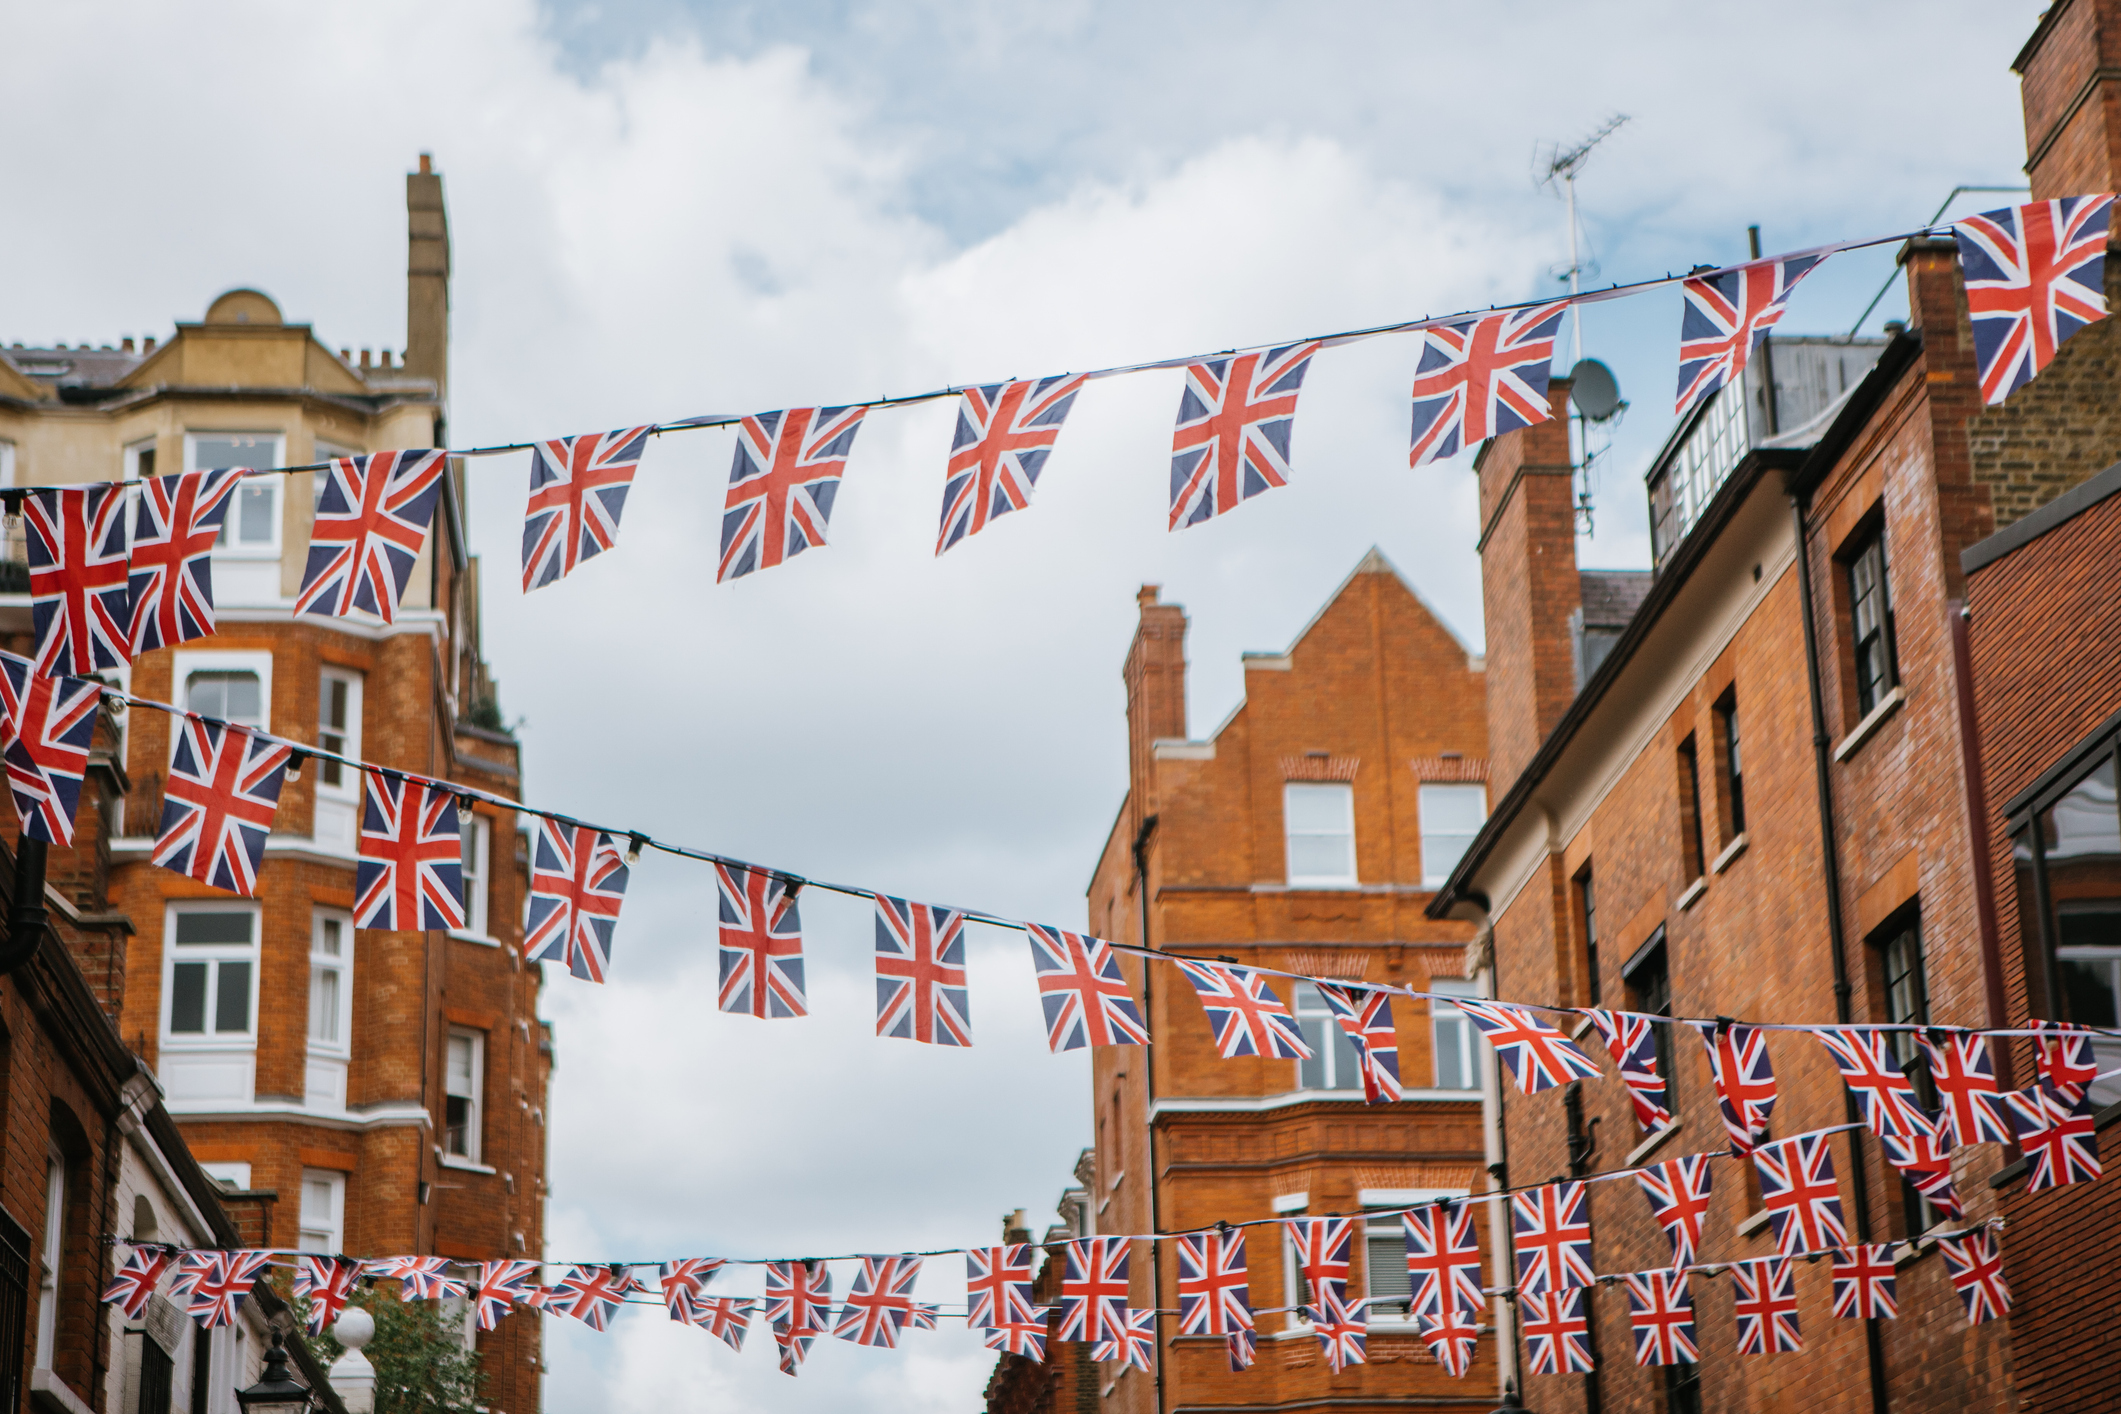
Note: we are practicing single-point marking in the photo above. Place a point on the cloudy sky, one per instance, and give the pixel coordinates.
(672, 207)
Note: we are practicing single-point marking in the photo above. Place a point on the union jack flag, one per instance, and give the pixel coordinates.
(48, 725)
(1764, 1296)
(1242, 1346)
(1443, 1258)
(880, 1302)
(781, 485)
(1094, 1289)
(1479, 378)
(726, 1317)
(1557, 1333)
(1322, 1253)
(420, 1278)
(1745, 1082)
(925, 1316)
(1802, 1199)
(1728, 313)
(794, 1347)
(1552, 1229)
(411, 870)
(1232, 440)
(327, 1283)
(170, 573)
(135, 1281)
(1679, 1198)
(1633, 1046)
(1133, 1340)
(372, 521)
(1661, 1314)
(218, 804)
(684, 1285)
(798, 1295)
(1084, 996)
(1883, 1090)
(577, 494)
(2035, 274)
(1366, 1017)
(1005, 432)
(1451, 1335)
(762, 944)
(77, 558)
(1249, 1020)
(1963, 1070)
(1214, 1289)
(1865, 1286)
(2064, 1052)
(577, 882)
(214, 1286)
(1342, 1327)
(2059, 1133)
(592, 1295)
(1024, 1333)
(920, 973)
(1925, 1161)
(1976, 1270)
(501, 1285)
(997, 1284)
(1539, 1057)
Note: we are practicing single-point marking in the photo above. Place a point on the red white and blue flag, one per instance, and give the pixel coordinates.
(1976, 1270)
(410, 875)
(1242, 1348)
(218, 804)
(2067, 1063)
(1633, 1047)
(1802, 1199)
(134, 1282)
(1764, 1298)
(684, 1284)
(373, 515)
(327, 1283)
(1249, 1020)
(1557, 1332)
(1132, 1341)
(1323, 1250)
(1865, 1282)
(1728, 314)
(880, 1302)
(2035, 274)
(794, 1347)
(925, 1316)
(1234, 421)
(1884, 1093)
(503, 1284)
(419, 1278)
(1539, 1057)
(1005, 433)
(1342, 1327)
(1451, 1334)
(1479, 378)
(1551, 1227)
(1963, 1071)
(170, 573)
(2058, 1132)
(1366, 1017)
(920, 973)
(79, 604)
(1443, 1258)
(1094, 1289)
(47, 725)
(1085, 998)
(1678, 1190)
(1925, 1161)
(798, 1295)
(578, 491)
(726, 1318)
(1745, 1082)
(1661, 1314)
(577, 882)
(761, 944)
(1025, 1333)
(782, 484)
(212, 1285)
(1214, 1289)
(590, 1294)
(997, 1284)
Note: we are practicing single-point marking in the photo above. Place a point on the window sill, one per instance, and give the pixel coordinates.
(1294, 885)
(1731, 852)
(1649, 1145)
(1866, 728)
(1693, 893)
(458, 1161)
(480, 938)
(50, 1393)
(1746, 1227)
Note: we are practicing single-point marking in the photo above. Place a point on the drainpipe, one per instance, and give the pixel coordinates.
(1977, 836)
(1156, 1224)
(1836, 934)
(25, 920)
(1583, 1145)
(1502, 1253)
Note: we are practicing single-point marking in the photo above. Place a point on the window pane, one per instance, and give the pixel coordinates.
(199, 928)
(1319, 808)
(459, 1071)
(330, 936)
(1385, 1267)
(316, 1202)
(232, 998)
(254, 506)
(457, 1125)
(232, 696)
(1453, 809)
(1311, 1071)
(1321, 857)
(324, 1004)
(1346, 1074)
(2089, 985)
(231, 449)
(187, 997)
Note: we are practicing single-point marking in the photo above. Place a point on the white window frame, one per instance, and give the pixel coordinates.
(1468, 1053)
(321, 961)
(133, 449)
(1373, 1202)
(48, 1259)
(1435, 871)
(209, 1039)
(478, 885)
(474, 1129)
(349, 786)
(1292, 1205)
(236, 550)
(7, 462)
(1289, 791)
(333, 1228)
(185, 662)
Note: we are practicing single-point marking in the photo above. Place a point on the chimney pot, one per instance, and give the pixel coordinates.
(126, 343)
(427, 164)
(346, 355)
(365, 355)
(147, 345)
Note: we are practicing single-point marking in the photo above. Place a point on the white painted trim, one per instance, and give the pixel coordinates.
(1649, 1145)
(377, 1117)
(458, 1161)
(1252, 1104)
(1730, 853)
(1267, 662)
(1888, 705)
(1172, 748)
(48, 1391)
(1291, 1202)
(1693, 893)
(187, 661)
(1406, 1197)
(1746, 1227)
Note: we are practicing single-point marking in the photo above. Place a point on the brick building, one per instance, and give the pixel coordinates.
(371, 1094)
(1769, 802)
(1306, 833)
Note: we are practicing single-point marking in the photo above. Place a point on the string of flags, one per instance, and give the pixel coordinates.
(1550, 1235)
(106, 585)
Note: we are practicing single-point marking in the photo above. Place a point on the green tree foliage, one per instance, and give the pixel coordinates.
(421, 1364)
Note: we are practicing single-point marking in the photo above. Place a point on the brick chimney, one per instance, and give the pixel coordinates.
(2070, 86)
(1156, 692)
(427, 277)
(1529, 588)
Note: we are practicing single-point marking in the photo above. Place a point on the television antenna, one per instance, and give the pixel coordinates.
(1561, 165)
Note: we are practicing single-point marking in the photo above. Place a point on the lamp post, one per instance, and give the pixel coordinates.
(275, 1392)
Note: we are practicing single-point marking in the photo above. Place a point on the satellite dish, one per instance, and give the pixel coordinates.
(1595, 392)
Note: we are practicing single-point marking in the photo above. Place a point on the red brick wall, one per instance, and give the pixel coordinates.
(2072, 109)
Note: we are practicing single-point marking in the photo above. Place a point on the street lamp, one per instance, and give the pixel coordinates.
(275, 1392)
